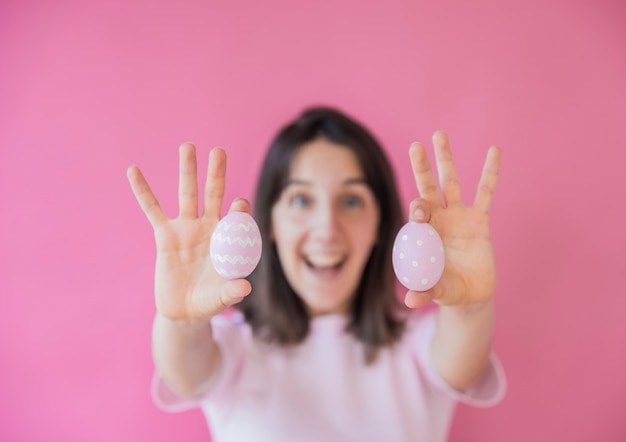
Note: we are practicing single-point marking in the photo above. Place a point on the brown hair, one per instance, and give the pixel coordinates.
(275, 313)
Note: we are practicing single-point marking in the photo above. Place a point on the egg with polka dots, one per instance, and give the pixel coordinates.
(418, 257)
(236, 245)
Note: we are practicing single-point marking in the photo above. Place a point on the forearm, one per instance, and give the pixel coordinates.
(185, 354)
(461, 346)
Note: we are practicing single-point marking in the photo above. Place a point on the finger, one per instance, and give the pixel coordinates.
(146, 199)
(488, 179)
(449, 291)
(424, 177)
(419, 211)
(234, 291)
(239, 205)
(215, 183)
(414, 299)
(448, 179)
(230, 293)
(188, 181)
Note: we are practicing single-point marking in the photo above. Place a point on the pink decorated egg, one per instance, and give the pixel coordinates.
(418, 257)
(236, 245)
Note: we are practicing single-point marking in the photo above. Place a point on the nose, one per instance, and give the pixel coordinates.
(325, 222)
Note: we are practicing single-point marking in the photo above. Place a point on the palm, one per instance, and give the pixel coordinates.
(469, 274)
(182, 267)
(186, 285)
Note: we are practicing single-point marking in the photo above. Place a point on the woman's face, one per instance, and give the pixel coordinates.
(325, 224)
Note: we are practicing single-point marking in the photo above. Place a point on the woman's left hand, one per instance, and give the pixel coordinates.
(469, 275)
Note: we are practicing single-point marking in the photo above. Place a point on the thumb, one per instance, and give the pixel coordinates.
(227, 294)
(414, 299)
(234, 291)
(419, 211)
(240, 205)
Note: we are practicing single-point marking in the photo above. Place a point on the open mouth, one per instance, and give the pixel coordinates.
(325, 265)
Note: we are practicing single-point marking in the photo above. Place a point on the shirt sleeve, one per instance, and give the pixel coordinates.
(488, 391)
(227, 332)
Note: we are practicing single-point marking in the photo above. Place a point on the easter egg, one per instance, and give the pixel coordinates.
(418, 257)
(236, 245)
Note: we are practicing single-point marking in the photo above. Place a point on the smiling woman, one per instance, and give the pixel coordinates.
(322, 349)
(325, 197)
(324, 226)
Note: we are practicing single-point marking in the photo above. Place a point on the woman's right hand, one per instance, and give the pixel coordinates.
(187, 288)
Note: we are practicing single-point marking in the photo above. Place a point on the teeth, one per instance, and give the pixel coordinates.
(321, 260)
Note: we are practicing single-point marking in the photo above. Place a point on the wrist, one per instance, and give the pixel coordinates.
(469, 309)
(186, 324)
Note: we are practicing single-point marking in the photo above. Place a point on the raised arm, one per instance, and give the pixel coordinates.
(462, 343)
(188, 291)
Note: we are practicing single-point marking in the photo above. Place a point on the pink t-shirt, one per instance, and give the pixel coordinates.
(322, 391)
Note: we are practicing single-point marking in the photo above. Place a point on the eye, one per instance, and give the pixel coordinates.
(353, 201)
(300, 201)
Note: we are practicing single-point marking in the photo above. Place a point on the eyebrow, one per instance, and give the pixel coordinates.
(348, 182)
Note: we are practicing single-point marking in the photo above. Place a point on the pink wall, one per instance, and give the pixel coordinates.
(88, 88)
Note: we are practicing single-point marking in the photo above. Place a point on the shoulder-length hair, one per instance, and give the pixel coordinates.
(275, 313)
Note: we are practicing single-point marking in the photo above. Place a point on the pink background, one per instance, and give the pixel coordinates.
(88, 88)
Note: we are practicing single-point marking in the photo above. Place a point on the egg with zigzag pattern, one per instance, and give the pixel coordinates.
(236, 245)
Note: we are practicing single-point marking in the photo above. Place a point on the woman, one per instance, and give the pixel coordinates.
(322, 350)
